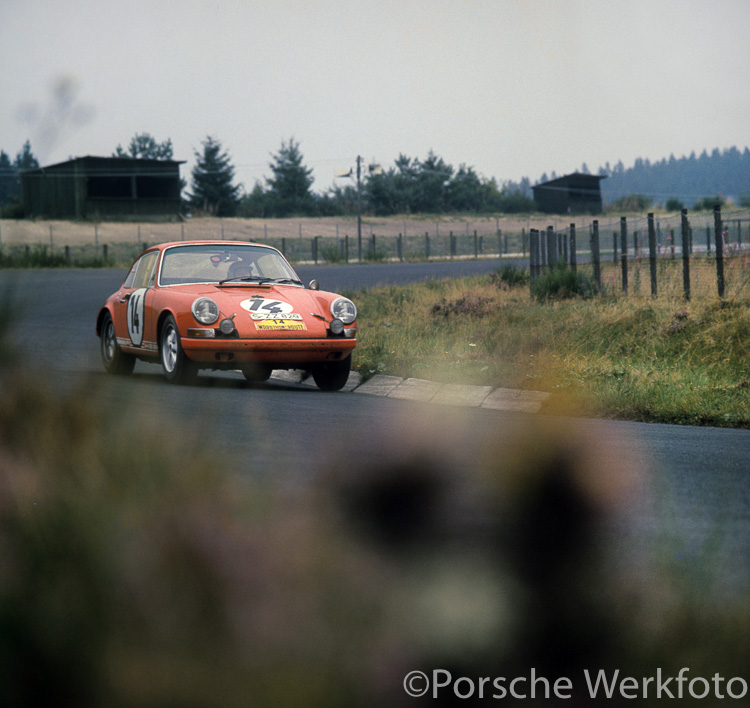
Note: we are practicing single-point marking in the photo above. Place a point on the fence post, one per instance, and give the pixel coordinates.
(67, 253)
(452, 245)
(652, 253)
(499, 243)
(283, 246)
(346, 248)
(476, 245)
(105, 252)
(427, 245)
(400, 247)
(595, 255)
(719, 250)
(685, 254)
(573, 257)
(315, 249)
(551, 247)
(533, 255)
(624, 252)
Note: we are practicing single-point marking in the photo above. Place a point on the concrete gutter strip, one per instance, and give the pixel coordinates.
(424, 391)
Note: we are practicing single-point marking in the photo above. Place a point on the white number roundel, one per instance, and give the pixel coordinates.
(135, 312)
(264, 306)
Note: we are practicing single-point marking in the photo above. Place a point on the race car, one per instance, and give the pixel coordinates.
(225, 305)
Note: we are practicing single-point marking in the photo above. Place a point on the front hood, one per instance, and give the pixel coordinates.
(275, 311)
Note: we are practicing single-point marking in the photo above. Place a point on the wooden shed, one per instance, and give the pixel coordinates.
(103, 188)
(575, 193)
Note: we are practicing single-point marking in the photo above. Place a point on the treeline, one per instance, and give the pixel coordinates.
(10, 181)
(411, 186)
(685, 180)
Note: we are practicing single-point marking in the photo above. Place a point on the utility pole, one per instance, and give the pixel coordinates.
(359, 208)
(373, 169)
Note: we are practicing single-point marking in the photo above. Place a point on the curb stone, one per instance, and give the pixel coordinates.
(424, 391)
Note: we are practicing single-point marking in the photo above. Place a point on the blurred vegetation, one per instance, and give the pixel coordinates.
(661, 360)
(139, 566)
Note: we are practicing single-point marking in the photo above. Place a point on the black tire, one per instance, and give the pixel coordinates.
(176, 366)
(114, 359)
(332, 375)
(257, 373)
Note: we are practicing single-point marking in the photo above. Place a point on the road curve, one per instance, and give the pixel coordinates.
(697, 475)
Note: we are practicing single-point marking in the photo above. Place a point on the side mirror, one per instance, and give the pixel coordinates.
(314, 285)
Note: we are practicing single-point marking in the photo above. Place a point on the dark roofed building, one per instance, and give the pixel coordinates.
(575, 193)
(103, 188)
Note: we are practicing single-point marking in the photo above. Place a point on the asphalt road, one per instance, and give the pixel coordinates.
(693, 486)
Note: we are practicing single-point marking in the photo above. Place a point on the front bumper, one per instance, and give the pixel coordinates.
(267, 351)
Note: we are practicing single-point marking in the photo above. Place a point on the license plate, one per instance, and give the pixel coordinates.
(266, 325)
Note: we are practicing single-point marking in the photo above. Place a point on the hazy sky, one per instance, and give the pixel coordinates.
(512, 88)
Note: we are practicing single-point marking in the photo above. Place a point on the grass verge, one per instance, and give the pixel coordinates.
(658, 360)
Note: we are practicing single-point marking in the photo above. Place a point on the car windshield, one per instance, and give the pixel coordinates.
(216, 263)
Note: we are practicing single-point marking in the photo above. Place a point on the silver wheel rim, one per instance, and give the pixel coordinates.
(109, 341)
(169, 349)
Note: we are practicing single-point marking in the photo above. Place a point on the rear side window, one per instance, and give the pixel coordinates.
(143, 272)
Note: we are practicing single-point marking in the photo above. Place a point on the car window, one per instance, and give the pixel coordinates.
(143, 272)
(141, 276)
(212, 263)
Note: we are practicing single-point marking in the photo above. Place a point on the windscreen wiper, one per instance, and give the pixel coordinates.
(246, 278)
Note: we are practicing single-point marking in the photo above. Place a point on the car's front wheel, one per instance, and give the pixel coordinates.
(114, 359)
(332, 375)
(176, 366)
(257, 373)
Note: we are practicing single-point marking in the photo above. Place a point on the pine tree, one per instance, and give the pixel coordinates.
(143, 146)
(213, 176)
(289, 188)
(25, 159)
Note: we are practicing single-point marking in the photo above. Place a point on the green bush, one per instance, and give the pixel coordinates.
(511, 276)
(674, 204)
(708, 203)
(561, 283)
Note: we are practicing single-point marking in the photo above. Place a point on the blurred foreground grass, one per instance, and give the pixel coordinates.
(657, 360)
(137, 568)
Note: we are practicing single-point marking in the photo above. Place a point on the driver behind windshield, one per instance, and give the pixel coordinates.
(240, 269)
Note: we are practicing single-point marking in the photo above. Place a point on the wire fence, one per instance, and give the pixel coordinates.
(620, 254)
(690, 256)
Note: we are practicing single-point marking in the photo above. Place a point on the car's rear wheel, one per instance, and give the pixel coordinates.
(332, 375)
(114, 359)
(176, 366)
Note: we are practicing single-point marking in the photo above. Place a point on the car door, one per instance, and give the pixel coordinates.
(132, 312)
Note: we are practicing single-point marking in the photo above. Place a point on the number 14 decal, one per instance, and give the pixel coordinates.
(135, 313)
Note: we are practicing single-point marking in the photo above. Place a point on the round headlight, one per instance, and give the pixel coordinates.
(205, 310)
(344, 309)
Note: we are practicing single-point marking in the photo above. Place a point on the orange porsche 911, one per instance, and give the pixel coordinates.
(225, 305)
